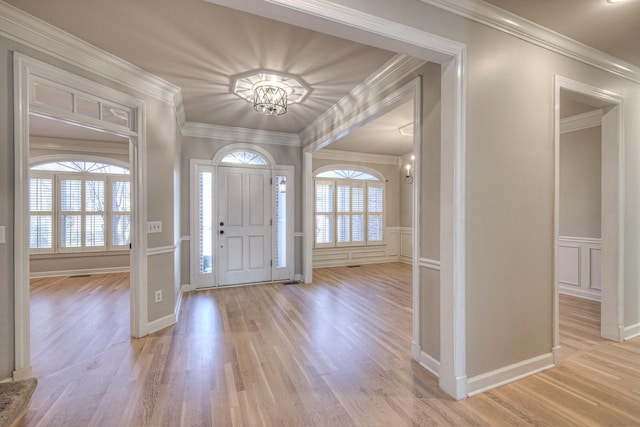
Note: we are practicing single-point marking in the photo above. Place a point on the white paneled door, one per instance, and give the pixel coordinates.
(244, 225)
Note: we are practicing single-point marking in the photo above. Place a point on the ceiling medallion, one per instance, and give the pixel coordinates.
(269, 91)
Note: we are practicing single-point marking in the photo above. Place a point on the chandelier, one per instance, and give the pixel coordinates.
(269, 98)
(270, 92)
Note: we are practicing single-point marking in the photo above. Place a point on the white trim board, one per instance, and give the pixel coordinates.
(237, 134)
(431, 264)
(505, 375)
(352, 156)
(581, 121)
(429, 363)
(89, 271)
(632, 331)
(163, 322)
(502, 20)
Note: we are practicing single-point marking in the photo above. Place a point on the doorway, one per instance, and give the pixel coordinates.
(590, 265)
(241, 218)
(48, 92)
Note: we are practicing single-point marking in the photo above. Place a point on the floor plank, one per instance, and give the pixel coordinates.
(334, 353)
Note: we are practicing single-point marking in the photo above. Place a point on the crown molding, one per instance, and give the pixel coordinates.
(236, 134)
(353, 156)
(35, 33)
(581, 121)
(372, 87)
(510, 23)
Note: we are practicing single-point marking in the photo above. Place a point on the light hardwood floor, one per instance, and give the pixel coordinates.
(329, 354)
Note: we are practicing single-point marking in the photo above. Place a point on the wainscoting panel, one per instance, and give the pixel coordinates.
(394, 249)
(579, 266)
(406, 245)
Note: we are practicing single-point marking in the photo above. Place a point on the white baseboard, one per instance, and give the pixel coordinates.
(405, 260)
(632, 331)
(556, 354)
(579, 292)
(170, 319)
(89, 271)
(298, 277)
(186, 288)
(415, 351)
(23, 373)
(6, 380)
(162, 323)
(176, 310)
(499, 377)
(430, 364)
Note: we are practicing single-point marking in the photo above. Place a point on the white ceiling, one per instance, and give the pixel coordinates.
(381, 136)
(200, 46)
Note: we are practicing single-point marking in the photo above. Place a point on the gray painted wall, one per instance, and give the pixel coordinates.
(580, 186)
(509, 182)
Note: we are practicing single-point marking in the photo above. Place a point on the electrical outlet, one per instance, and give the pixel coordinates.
(158, 296)
(154, 227)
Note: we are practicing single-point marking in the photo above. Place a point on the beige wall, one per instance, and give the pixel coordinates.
(580, 189)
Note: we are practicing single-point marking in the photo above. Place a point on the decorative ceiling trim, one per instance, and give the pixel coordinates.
(352, 156)
(237, 134)
(372, 87)
(581, 121)
(510, 23)
(35, 33)
(442, 48)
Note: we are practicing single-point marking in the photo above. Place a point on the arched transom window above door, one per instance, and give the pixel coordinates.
(244, 158)
(349, 207)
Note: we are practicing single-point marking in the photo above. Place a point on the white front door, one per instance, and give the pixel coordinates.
(244, 225)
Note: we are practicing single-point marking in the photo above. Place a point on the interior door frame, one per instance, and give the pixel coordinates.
(25, 70)
(612, 292)
(197, 165)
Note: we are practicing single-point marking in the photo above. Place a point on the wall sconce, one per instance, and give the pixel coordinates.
(282, 185)
(408, 172)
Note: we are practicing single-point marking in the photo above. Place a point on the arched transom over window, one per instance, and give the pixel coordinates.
(347, 174)
(349, 208)
(79, 206)
(85, 167)
(244, 158)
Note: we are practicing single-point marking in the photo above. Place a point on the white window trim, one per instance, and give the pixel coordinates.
(381, 182)
(108, 213)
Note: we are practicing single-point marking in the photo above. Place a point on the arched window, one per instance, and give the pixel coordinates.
(79, 206)
(244, 158)
(349, 207)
